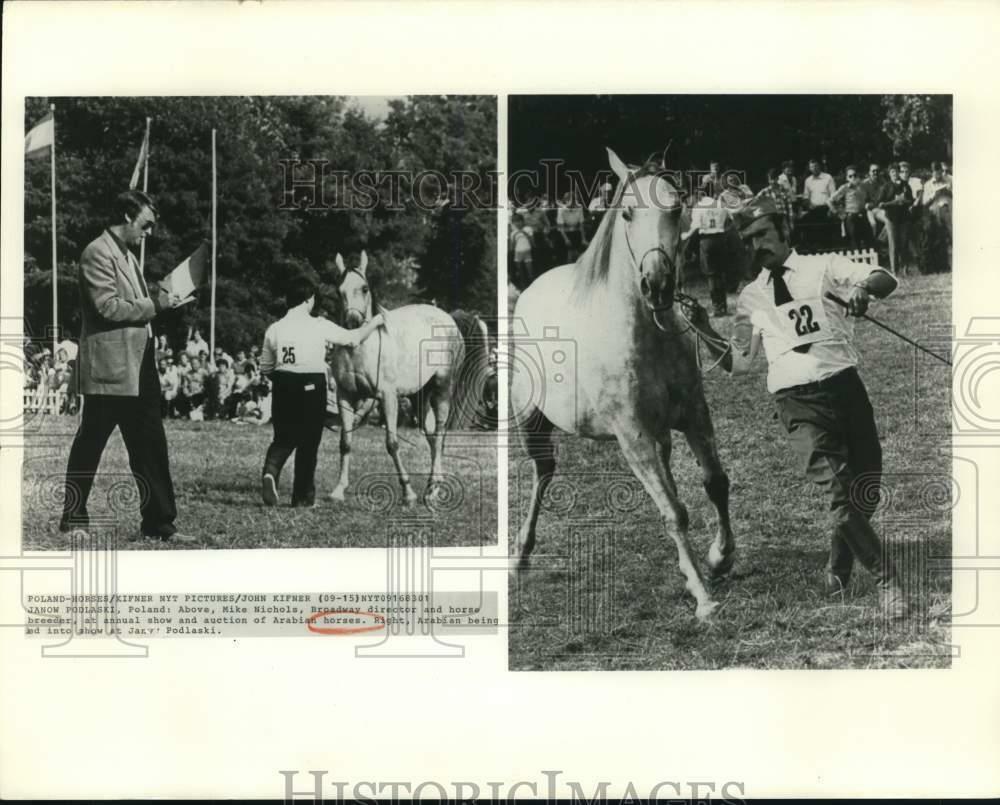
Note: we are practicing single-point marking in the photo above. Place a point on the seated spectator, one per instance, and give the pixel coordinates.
(193, 390)
(244, 386)
(195, 343)
(735, 194)
(169, 387)
(222, 387)
(855, 200)
(255, 356)
(70, 347)
(221, 355)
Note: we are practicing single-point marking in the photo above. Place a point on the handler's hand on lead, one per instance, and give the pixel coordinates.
(857, 305)
(378, 320)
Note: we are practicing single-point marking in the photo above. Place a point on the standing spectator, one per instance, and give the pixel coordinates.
(817, 190)
(893, 202)
(161, 348)
(935, 184)
(117, 372)
(916, 184)
(255, 357)
(169, 387)
(536, 219)
(787, 179)
(521, 239)
(854, 197)
(708, 220)
(570, 220)
(195, 343)
(221, 355)
(778, 192)
(225, 379)
(873, 187)
(711, 183)
(946, 172)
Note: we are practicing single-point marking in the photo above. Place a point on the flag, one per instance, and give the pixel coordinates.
(42, 136)
(141, 161)
(185, 279)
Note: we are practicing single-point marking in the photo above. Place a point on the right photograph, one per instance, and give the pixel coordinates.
(729, 364)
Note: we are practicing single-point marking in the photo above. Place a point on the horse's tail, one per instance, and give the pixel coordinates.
(472, 372)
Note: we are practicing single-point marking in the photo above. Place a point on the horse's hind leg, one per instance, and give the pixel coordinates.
(390, 411)
(651, 466)
(701, 439)
(536, 431)
(438, 407)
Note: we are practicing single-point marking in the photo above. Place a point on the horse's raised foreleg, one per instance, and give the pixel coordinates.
(390, 411)
(536, 431)
(650, 461)
(701, 439)
(438, 407)
(346, 427)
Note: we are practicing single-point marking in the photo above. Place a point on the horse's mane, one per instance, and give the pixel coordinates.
(594, 264)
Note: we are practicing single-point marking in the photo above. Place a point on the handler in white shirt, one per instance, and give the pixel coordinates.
(821, 400)
(294, 360)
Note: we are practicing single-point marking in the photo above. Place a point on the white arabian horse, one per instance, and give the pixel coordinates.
(635, 376)
(421, 350)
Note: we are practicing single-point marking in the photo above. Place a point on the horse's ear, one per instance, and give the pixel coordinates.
(663, 158)
(341, 268)
(619, 167)
(363, 267)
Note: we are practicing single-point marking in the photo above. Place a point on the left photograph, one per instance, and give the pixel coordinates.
(260, 322)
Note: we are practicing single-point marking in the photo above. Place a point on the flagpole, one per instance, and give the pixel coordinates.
(145, 188)
(211, 329)
(55, 264)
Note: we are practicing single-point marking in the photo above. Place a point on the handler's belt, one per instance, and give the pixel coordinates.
(825, 384)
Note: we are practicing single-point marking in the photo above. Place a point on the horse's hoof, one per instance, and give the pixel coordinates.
(337, 494)
(720, 564)
(409, 498)
(705, 610)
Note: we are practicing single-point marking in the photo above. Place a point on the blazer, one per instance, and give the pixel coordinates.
(115, 313)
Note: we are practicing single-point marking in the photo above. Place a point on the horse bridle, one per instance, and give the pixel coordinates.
(365, 318)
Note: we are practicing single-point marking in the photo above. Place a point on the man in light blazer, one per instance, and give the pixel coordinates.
(118, 373)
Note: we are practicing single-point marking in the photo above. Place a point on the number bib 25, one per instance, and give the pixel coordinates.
(801, 321)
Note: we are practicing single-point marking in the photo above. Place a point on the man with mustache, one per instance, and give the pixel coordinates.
(821, 400)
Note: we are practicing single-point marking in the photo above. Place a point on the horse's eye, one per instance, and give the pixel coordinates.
(364, 289)
(627, 213)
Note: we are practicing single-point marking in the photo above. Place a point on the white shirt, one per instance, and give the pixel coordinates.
(809, 278)
(819, 189)
(931, 187)
(71, 349)
(709, 216)
(297, 343)
(788, 183)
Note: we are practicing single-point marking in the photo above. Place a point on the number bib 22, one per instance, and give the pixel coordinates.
(801, 321)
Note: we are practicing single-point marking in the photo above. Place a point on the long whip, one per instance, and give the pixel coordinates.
(833, 297)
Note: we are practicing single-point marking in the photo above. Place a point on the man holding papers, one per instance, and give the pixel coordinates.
(118, 375)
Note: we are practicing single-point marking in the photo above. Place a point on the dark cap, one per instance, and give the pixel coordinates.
(754, 211)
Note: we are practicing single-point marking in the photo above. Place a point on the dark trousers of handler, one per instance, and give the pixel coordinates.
(141, 425)
(832, 430)
(298, 410)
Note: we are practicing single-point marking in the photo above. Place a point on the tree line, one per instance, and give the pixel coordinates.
(442, 254)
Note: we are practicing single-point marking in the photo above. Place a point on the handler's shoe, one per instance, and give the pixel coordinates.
(892, 601)
(269, 490)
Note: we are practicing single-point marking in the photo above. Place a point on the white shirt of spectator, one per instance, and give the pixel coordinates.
(709, 216)
(196, 347)
(809, 278)
(819, 189)
(931, 188)
(788, 183)
(916, 185)
(71, 349)
(297, 343)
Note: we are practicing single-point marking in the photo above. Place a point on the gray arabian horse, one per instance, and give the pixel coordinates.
(635, 375)
(420, 350)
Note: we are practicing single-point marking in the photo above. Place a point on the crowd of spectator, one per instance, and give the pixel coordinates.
(892, 211)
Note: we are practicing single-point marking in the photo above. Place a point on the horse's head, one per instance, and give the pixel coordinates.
(650, 207)
(355, 293)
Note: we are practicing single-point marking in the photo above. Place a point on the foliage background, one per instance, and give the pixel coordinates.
(448, 257)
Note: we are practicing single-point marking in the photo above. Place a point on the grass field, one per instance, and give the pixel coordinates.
(605, 592)
(216, 470)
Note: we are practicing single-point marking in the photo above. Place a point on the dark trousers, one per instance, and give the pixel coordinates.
(713, 251)
(141, 425)
(859, 231)
(298, 410)
(832, 430)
